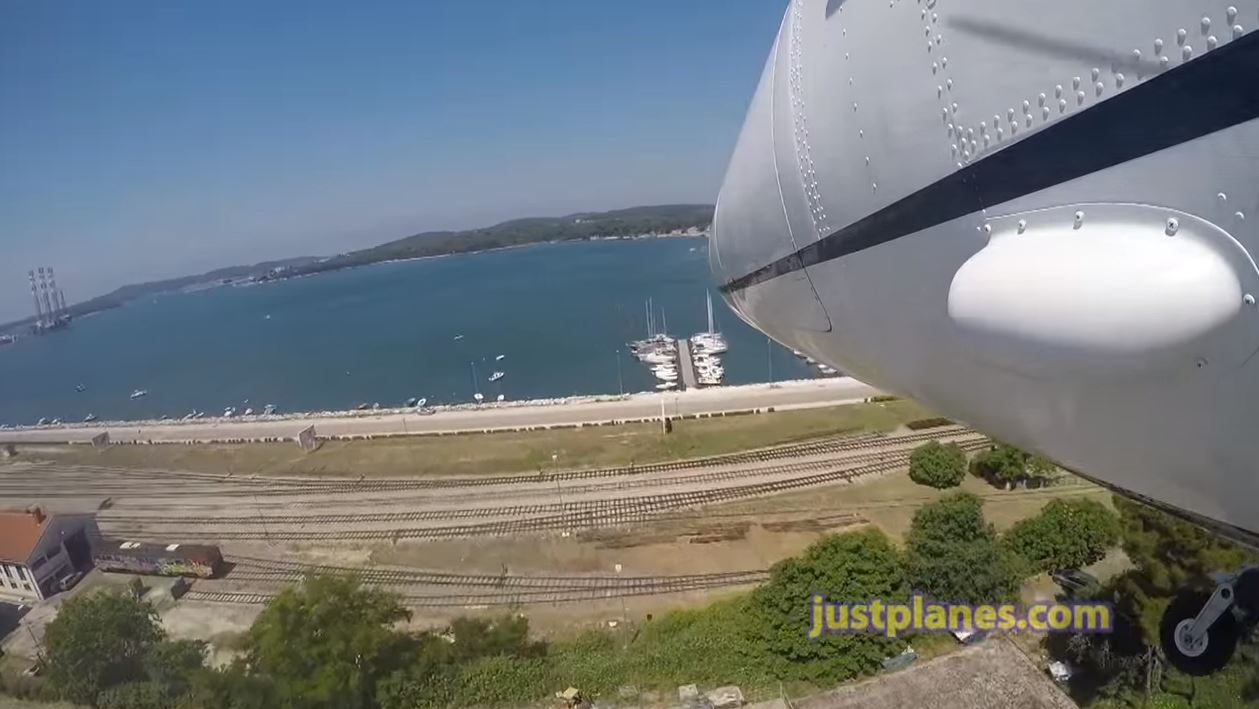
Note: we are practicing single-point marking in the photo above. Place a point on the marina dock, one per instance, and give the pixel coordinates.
(686, 366)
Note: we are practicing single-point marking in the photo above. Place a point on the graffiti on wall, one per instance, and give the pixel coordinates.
(164, 567)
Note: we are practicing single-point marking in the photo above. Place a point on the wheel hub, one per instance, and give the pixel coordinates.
(1184, 639)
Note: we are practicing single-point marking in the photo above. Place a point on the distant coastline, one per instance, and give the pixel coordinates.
(650, 222)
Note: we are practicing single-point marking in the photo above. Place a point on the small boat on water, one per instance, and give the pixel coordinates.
(363, 406)
(497, 376)
(199, 414)
(80, 388)
(411, 402)
(827, 369)
(421, 402)
(43, 421)
(499, 358)
(666, 385)
(89, 418)
(459, 336)
(478, 397)
(229, 412)
(499, 398)
(139, 393)
(268, 409)
(248, 412)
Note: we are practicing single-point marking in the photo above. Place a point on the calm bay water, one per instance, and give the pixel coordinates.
(383, 333)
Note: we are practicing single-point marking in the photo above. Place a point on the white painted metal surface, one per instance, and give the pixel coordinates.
(1104, 317)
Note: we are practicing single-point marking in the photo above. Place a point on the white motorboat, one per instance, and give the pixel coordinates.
(478, 397)
(497, 376)
(139, 393)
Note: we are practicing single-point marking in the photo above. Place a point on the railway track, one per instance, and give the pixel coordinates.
(510, 510)
(627, 510)
(87, 480)
(653, 587)
(271, 572)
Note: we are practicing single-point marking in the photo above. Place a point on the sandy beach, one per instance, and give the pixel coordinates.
(487, 417)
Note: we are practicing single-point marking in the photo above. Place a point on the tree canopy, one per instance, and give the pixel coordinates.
(938, 465)
(1066, 534)
(328, 642)
(856, 566)
(1004, 465)
(952, 554)
(107, 649)
(99, 640)
(1167, 553)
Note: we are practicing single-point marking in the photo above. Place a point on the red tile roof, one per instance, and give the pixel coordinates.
(19, 533)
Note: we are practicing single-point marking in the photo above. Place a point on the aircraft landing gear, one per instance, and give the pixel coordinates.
(1199, 630)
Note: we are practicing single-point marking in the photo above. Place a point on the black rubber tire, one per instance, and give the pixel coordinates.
(1221, 637)
(1246, 593)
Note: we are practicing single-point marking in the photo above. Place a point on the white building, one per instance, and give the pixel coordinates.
(38, 550)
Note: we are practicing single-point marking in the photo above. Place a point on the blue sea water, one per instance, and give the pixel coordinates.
(383, 333)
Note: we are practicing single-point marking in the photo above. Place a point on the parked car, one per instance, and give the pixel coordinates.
(1075, 582)
(68, 581)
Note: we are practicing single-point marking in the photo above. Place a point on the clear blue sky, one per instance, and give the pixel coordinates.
(146, 139)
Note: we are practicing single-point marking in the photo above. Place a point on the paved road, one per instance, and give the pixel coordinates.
(785, 395)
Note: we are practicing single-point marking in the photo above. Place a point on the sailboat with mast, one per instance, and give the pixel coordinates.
(711, 341)
(478, 397)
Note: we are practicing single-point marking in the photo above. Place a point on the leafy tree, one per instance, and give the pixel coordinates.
(1066, 534)
(952, 553)
(421, 685)
(172, 664)
(135, 695)
(97, 641)
(856, 566)
(937, 465)
(328, 642)
(1168, 553)
(437, 674)
(477, 637)
(234, 688)
(1005, 466)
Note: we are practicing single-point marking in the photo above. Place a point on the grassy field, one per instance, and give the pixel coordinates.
(507, 452)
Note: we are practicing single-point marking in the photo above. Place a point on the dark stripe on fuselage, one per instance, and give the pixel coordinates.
(1216, 91)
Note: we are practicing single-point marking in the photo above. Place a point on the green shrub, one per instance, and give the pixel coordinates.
(855, 566)
(936, 465)
(503, 679)
(932, 422)
(952, 554)
(1066, 534)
